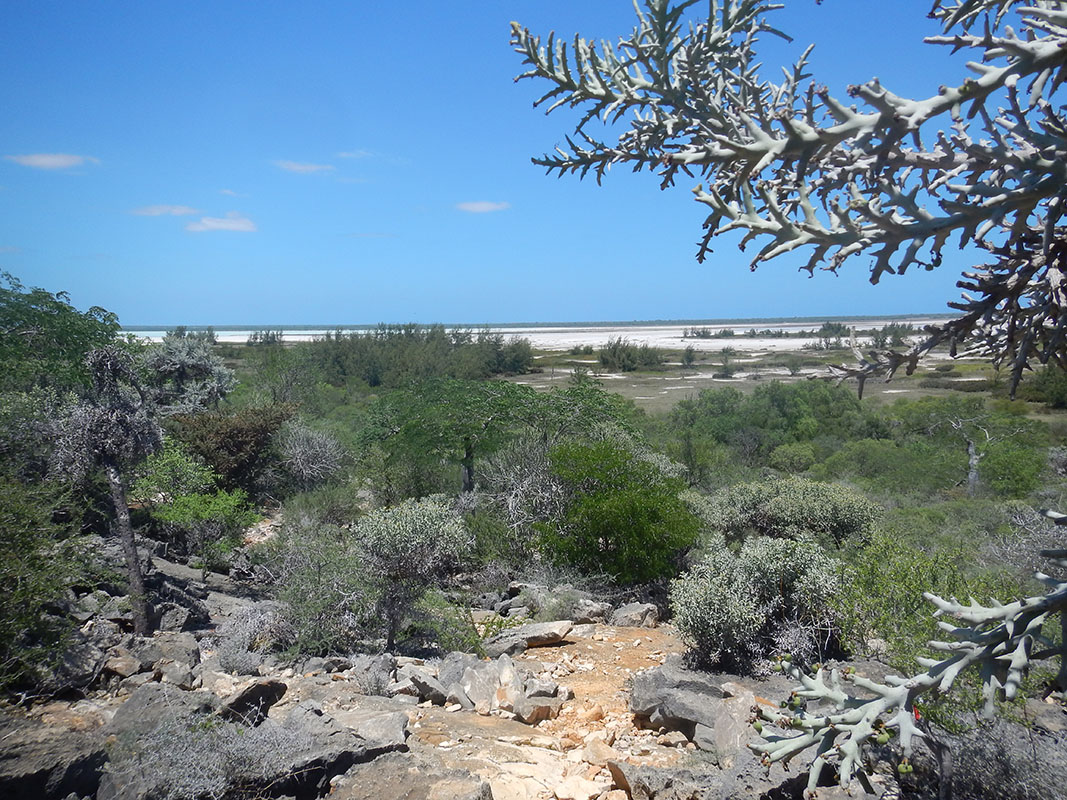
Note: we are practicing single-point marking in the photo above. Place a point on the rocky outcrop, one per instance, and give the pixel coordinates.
(409, 777)
(46, 762)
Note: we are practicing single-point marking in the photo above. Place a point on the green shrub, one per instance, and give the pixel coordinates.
(1011, 470)
(624, 517)
(36, 568)
(793, 457)
(909, 467)
(736, 611)
(207, 525)
(171, 472)
(408, 549)
(793, 507)
(316, 573)
(623, 355)
(340, 504)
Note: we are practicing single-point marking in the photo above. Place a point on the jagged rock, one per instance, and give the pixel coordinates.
(532, 710)
(599, 753)
(373, 673)
(251, 703)
(172, 617)
(123, 663)
(181, 648)
(675, 698)
(43, 762)
(175, 672)
(149, 705)
(587, 611)
(450, 670)
(651, 783)
(576, 787)
(516, 640)
(428, 687)
(536, 687)
(479, 684)
(409, 777)
(383, 732)
(78, 666)
(635, 615)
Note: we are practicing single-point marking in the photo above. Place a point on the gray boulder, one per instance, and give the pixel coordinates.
(153, 703)
(635, 615)
(373, 673)
(516, 640)
(409, 777)
(251, 703)
(42, 762)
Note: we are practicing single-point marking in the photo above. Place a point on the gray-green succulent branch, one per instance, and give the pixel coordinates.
(984, 159)
(827, 712)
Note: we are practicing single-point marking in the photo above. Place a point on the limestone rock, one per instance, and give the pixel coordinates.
(515, 640)
(635, 615)
(250, 704)
(44, 762)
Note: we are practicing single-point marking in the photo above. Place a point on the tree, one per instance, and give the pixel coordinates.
(794, 167)
(44, 339)
(184, 374)
(112, 430)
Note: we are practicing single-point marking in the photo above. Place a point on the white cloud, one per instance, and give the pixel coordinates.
(9, 249)
(482, 206)
(302, 168)
(52, 160)
(231, 193)
(355, 154)
(233, 221)
(165, 210)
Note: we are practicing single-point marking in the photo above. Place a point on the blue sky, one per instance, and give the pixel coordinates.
(233, 162)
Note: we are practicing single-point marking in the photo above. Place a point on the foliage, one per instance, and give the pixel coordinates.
(408, 549)
(309, 457)
(624, 516)
(1049, 386)
(393, 356)
(335, 504)
(797, 168)
(1001, 641)
(735, 611)
(208, 525)
(915, 466)
(27, 431)
(235, 444)
(793, 457)
(622, 355)
(183, 374)
(316, 573)
(169, 472)
(44, 339)
(36, 567)
(795, 507)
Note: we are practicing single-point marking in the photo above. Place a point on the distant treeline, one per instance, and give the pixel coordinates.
(888, 335)
(395, 355)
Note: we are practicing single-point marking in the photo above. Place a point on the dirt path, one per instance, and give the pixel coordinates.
(566, 757)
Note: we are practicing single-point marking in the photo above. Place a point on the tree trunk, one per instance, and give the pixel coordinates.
(972, 468)
(468, 464)
(138, 596)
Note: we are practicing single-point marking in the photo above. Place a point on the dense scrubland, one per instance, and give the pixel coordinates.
(410, 475)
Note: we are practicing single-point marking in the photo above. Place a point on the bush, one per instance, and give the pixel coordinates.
(911, 467)
(310, 458)
(340, 504)
(624, 356)
(793, 457)
(207, 525)
(1011, 470)
(624, 517)
(35, 570)
(171, 472)
(406, 550)
(735, 612)
(316, 573)
(792, 508)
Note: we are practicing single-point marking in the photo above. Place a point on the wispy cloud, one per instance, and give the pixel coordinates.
(9, 249)
(52, 160)
(303, 168)
(231, 193)
(482, 206)
(233, 221)
(165, 210)
(356, 154)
